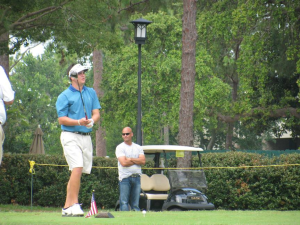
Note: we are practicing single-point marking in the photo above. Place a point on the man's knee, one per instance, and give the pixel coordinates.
(77, 171)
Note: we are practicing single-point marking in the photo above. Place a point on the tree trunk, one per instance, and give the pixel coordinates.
(166, 132)
(228, 144)
(188, 71)
(212, 140)
(166, 135)
(229, 136)
(98, 70)
(4, 57)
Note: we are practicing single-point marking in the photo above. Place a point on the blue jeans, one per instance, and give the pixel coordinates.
(130, 189)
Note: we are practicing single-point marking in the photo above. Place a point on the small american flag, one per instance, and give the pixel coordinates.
(93, 209)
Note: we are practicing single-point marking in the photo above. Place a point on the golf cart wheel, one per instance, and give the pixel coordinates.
(175, 209)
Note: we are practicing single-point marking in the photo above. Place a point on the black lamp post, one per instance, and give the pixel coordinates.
(140, 36)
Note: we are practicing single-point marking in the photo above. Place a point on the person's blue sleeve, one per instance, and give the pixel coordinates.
(96, 103)
(62, 106)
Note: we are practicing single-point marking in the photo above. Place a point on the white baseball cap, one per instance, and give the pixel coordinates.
(76, 69)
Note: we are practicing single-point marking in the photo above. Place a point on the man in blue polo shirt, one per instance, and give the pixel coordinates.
(77, 109)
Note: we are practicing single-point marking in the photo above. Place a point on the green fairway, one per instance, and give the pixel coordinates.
(24, 215)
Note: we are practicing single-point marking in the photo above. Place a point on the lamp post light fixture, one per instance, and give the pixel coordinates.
(140, 36)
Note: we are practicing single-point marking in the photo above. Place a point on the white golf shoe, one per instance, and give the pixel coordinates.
(74, 210)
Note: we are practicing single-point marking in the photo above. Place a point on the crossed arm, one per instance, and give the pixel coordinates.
(126, 162)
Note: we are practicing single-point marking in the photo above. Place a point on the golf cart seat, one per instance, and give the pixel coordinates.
(155, 187)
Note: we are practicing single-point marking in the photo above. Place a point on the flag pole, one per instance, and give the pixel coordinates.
(93, 209)
(31, 191)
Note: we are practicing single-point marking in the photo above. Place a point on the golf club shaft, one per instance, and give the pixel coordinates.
(82, 101)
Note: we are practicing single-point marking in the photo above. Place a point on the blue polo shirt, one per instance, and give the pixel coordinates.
(69, 104)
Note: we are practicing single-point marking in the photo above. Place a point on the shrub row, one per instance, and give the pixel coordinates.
(49, 182)
(254, 188)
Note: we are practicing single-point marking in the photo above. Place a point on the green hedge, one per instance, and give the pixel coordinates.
(268, 188)
(50, 182)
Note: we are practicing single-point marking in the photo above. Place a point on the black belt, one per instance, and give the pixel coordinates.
(76, 132)
(135, 175)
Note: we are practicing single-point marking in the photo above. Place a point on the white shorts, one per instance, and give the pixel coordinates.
(78, 150)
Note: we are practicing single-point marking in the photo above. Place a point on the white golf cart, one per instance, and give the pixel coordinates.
(181, 189)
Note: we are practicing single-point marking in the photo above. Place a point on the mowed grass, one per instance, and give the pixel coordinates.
(38, 215)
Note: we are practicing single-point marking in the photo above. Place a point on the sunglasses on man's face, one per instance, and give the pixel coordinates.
(81, 72)
(123, 134)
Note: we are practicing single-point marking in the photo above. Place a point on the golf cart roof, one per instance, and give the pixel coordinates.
(168, 148)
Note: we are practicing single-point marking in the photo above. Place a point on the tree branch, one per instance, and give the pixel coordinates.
(21, 21)
(21, 57)
(34, 26)
(278, 113)
(132, 5)
(4, 14)
(84, 20)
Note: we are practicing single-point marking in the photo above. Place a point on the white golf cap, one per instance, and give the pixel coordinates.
(76, 69)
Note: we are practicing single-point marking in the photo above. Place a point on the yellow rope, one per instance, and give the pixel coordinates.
(49, 164)
(32, 163)
(228, 167)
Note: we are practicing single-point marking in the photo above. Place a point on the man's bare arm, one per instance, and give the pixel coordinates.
(126, 162)
(96, 115)
(141, 160)
(9, 102)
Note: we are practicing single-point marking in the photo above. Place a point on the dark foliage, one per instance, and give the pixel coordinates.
(264, 186)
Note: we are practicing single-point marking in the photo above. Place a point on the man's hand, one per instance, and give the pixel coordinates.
(91, 124)
(83, 122)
